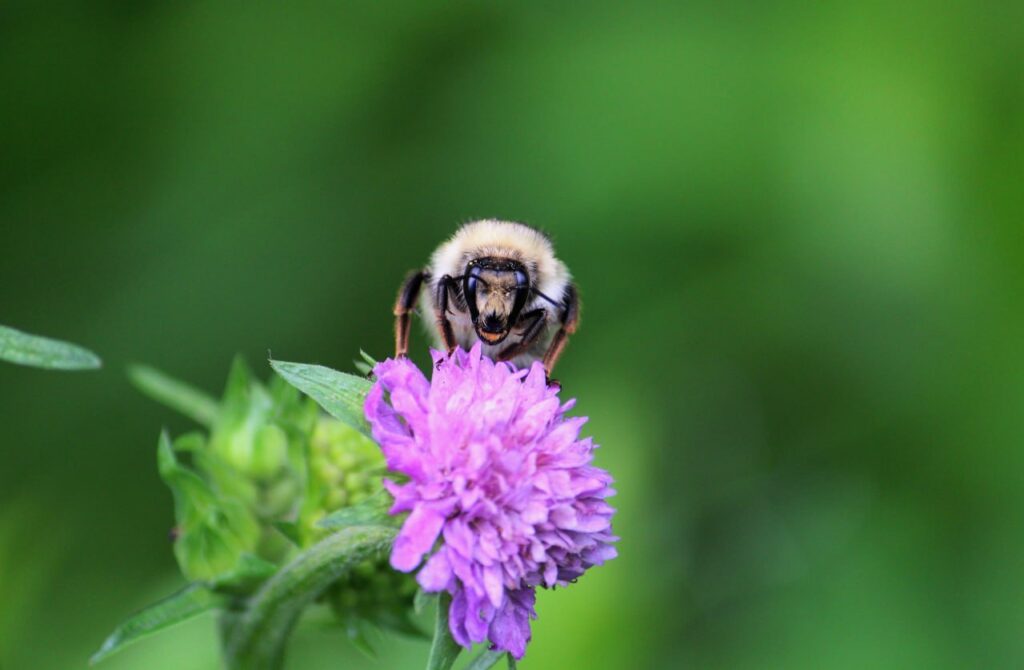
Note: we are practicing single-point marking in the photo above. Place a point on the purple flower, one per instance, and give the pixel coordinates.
(499, 475)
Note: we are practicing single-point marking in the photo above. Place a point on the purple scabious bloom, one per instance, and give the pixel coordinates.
(498, 473)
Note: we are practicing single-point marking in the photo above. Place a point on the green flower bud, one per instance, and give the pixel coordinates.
(212, 531)
(212, 545)
(344, 468)
(246, 435)
(270, 451)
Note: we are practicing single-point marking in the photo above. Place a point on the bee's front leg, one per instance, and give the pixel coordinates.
(535, 321)
(444, 286)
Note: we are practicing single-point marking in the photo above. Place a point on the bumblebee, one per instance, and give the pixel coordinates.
(498, 282)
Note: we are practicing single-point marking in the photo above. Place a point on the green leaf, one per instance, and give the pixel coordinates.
(258, 638)
(397, 619)
(488, 658)
(444, 649)
(291, 530)
(371, 512)
(179, 396)
(191, 601)
(361, 641)
(422, 600)
(341, 394)
(43, 352)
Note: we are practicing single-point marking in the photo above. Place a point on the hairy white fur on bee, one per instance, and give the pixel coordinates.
(500, 239)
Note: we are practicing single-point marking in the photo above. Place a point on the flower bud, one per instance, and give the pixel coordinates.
(211, 545)
(213, 531)
(270, 451)
(344, 468)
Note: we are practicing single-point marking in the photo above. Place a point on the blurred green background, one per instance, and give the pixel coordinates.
(797, 235)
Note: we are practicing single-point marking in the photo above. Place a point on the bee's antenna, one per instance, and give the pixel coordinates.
(538, 292)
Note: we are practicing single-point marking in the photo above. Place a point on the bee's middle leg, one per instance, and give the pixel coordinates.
(404, 304)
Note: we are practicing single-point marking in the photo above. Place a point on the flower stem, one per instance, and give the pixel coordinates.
(444, 649)
(256, 640)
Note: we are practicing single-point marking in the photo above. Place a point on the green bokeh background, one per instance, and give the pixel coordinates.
(797, 232)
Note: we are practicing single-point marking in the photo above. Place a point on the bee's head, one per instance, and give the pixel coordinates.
(495, 290)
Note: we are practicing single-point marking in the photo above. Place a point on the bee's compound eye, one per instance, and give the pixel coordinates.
(469, 284)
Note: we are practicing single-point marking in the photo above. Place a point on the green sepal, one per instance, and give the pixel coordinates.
(367, 363)
(422, 600)
(43, 352)
(341, 394)
(188, 488)
(194, 442)
(398, 621)
(291, 530)
(189, 602)
(236, 391)
(487, 659)
(179, 396)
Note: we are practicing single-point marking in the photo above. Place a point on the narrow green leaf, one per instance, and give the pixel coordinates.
(191, 601)
(42, 352)
(364, 368)
(444, 649)
(258, 638)
(179, 396)
(371, 512)
(341, 394)
(370, 360)
(487, 659)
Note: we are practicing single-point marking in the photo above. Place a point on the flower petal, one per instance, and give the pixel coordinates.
(416, 538)
(436, 575)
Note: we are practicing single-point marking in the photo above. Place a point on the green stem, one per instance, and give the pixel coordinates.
(257, 639)
(444, 649)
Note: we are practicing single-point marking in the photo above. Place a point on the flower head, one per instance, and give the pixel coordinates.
(499, 474)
